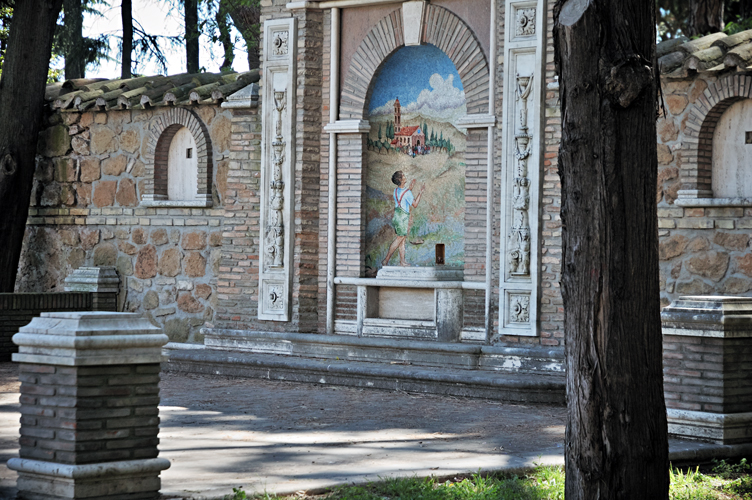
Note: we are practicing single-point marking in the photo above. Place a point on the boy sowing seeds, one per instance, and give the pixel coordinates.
(403, 201)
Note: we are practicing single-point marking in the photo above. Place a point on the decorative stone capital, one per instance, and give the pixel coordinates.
(247, 97)
(89, 339)
(443, 273)
(709, 316)
(93, 279)
(348, 127)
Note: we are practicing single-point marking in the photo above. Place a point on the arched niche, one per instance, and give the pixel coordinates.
(441, 28)
(699, 158)
(179, 143)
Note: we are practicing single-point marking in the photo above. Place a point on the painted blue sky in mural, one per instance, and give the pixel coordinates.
(423, 78)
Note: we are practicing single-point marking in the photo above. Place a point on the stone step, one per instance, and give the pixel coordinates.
(455, 355)
(395, 375)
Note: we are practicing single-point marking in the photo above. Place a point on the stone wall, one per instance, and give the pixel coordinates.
(87, 210)
(704, 250)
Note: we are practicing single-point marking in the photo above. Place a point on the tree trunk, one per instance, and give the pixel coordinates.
(705, 16)
(224, 36)
(616, 439)
(191, 36)
(126, 14)
(21, 114)
(75, 52)
(246, 19)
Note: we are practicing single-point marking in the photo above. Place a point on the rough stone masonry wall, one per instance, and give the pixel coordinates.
(86, 211)
(703, 250)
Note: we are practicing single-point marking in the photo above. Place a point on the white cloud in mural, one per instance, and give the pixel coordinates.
(444, 102)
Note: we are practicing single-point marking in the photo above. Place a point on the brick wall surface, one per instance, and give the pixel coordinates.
(18, 309)
(707, 374)
(305, 288)
(81, 415)
(551, 304)
(237, 279)
(323, 206)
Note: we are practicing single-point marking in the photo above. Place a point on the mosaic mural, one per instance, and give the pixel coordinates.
(415, 179)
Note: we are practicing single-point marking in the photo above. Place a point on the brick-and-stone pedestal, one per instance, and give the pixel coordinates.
(89, 407)
(102, 282)
(707, 368)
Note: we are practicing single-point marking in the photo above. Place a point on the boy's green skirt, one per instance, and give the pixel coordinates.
(400, 221)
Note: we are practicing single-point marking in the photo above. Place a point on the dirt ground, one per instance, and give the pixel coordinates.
(220, 432)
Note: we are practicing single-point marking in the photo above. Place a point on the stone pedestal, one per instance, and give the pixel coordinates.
(707, 357)
(102, 282)
(412, 303)
(89, 407)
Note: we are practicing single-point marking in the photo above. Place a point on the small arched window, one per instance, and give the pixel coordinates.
(182, 167)
(179, 161)
(732, 149)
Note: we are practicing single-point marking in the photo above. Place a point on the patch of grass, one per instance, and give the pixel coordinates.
(726, 481)
(691, 485)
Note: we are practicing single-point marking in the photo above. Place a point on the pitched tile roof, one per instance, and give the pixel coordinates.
(146, 91)
(407, 131)
(715, 53)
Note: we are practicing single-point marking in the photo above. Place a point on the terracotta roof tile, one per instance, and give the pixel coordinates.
(716, 53)
(407, 131)
(146, 91)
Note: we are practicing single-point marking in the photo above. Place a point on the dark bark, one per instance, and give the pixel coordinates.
(705, 16)
(616, 439)
(21, 114)
(126, 15)
(74, 47)
(191, 35)
(246, 17)
(224, 36)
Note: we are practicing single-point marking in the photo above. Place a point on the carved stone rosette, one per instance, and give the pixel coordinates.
(518, 256)
(275, 235)
(519, 309)
(525, 22)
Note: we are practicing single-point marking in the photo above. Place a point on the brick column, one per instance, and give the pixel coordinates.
(707, 356)
(102, 282)
(89, 407)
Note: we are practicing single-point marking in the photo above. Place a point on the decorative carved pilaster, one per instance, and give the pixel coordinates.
(275, 235)
(277, 170)
(518, 256)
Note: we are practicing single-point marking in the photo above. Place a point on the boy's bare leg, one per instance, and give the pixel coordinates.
(392, 248)
(403, 262)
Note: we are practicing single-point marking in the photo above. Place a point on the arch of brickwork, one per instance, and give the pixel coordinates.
(161, 132)
(441, 28)
(697, 154)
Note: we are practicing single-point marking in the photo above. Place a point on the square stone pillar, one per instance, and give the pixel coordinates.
(707, 358)
(89, 406)
(102, 282)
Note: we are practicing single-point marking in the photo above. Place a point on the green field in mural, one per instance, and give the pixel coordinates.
(416, 100)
